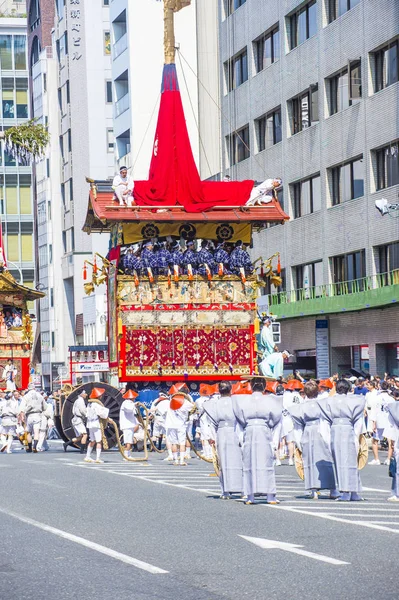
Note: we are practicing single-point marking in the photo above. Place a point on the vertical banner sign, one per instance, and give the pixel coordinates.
(322, 349)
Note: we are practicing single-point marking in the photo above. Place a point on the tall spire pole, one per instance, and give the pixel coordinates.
(170, 7)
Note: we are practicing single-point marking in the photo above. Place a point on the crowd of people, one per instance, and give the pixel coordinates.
(27, 416)
(256, 425)
(170, 257)
(252, 425)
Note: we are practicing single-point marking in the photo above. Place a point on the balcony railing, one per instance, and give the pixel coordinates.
(376, 290)
(120, 46)
(122, 105)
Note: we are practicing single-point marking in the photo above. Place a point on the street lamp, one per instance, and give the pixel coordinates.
(21, 277)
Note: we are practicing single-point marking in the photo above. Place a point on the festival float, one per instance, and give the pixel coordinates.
(16, 330)
(176, 326)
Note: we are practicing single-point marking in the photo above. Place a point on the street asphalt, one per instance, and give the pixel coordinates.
(71, 529)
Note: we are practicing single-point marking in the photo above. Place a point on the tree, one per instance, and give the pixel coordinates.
(26, 142)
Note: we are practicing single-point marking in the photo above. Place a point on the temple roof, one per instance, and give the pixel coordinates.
(103, 212)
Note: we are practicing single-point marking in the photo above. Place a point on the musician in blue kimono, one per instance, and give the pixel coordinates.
(131, 262)
(240, 261)
(163, 259)
(221, 260)
(205, 260)
(189, 259)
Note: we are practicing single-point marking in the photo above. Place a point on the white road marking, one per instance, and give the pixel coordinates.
(330, 517)
(293, 548)
(367, 489)
(129, 560)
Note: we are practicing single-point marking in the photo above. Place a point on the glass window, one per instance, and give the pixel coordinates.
(238, 145)
(6, 52)
(388, 166)
(237, 71)
(386, 66)
(7, 95)
(303, 24)
(349, 267)
(304, 110)
(108, 91)
(267, 50)
(307, 196)
(107, 43)
(347, 181)
(232, 5)
(22, 104)
(20, 52)
(110, 140)
(344, 91)
(339, 7)
(268, 130)
(13, 247)
(25, 198)
(27, 247)
(11, 199)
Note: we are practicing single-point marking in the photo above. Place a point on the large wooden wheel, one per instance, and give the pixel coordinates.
(112, 399)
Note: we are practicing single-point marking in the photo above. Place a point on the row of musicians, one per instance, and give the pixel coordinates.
(225, 260)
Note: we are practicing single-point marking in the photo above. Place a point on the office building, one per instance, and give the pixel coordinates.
(311, 94)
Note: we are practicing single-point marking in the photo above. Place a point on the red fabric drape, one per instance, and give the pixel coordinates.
(173, 177)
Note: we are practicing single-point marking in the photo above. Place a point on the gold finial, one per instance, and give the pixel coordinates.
(170, 7)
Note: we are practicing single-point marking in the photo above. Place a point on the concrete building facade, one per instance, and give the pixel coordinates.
(311, 94)
(70, 66)
(16, 201)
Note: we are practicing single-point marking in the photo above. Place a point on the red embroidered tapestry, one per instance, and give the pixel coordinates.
(175, 351)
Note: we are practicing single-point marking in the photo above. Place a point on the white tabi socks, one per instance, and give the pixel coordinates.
(9, 444)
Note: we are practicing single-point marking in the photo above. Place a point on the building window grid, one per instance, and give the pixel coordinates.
(304, 109)
(347, 181)
(302, 24)
(267, 49)
(386, 66)
(387, 161)
(336, 8)
(236, 70)
(238, 145)
(308, 276)
(269, 129)
(345, 91)
(307, 196)
(349, 271)
(13, 52)
(231, 5)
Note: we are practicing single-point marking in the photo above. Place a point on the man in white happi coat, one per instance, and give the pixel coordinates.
(46, 422)
(291, 397)
(10, 375)
(176, 421)
(123, 187)
(207, 429)
(158, 411)
(128, 422)
(9, 410)
(31, 409)
(79, 411)
(264, 193)
(95, 412)
(378, 415)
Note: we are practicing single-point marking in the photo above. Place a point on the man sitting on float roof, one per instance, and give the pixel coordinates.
(239, 259)
(123, 187)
